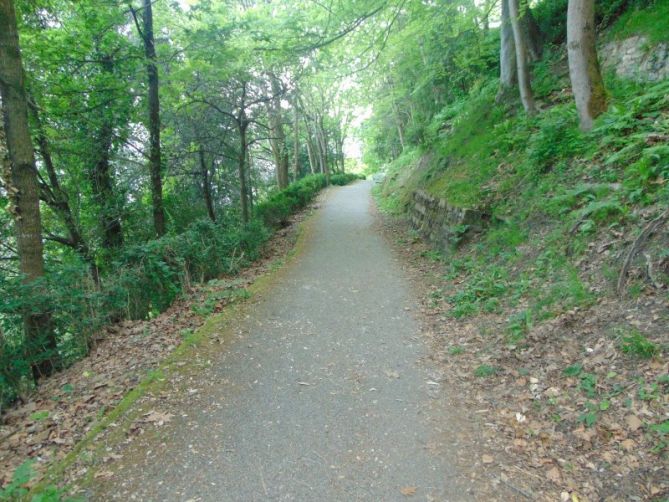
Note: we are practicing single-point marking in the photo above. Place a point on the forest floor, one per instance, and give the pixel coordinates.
(565, 413)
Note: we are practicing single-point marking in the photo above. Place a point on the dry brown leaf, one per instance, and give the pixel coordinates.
(633, 422)
(487, 459)
(408, 491)
(554, 475)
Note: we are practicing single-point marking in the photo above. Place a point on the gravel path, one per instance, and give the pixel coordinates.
(322, 397)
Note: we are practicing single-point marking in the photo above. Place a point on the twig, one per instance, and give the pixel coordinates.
(636, 246)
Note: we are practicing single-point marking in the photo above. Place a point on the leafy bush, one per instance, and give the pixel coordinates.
(275, 210)
(345, 179)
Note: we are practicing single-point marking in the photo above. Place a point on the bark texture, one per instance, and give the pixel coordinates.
(584, 70)
(522, 64)
(508, 75)
(206, 185)
(155, 157)
(23, 187)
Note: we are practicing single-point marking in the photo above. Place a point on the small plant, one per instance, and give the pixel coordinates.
(589, 384)
(638, 345)
(573, 370)
(661, 431)
(16, 490)
(485, 371)
(38, 416)
(589, 417)
(455, 350)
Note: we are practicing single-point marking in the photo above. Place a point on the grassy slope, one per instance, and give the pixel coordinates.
(544, 181)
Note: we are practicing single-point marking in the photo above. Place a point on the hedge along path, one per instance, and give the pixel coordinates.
(317, 389)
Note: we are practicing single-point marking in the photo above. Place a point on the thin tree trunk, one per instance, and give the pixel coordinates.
(278, 141)
(155, 157)
(296, 141)
(508, 75)
(249, 179)
(243, 193)
(310, 152)
(584, 71)
(206, 185)
(23, 188)
(519, 37)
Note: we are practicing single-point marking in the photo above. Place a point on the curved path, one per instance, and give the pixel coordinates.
(322, 397)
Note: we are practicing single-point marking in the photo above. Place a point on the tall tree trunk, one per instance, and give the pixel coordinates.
(323, 147)
(508, 74)
(155, 157)
(249, 179)
(584, 71)
(23, 189)
(519, 38)
(296, 141)
(278, 141)
(242, 126)
(206, 185)
(310, 151)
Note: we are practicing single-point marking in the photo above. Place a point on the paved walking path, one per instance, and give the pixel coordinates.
(324, 397)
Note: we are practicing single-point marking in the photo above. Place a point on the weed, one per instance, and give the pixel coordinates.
(485, 371)
(455, 350)
(637, 345)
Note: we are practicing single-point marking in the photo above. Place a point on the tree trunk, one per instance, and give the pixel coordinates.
(155, 158)
(508, 74)
(242, 126)
(310, 152)
(519, 38)
(584, 71)
(23, 189)
(278, 141)
(206, 186)
(296, 142)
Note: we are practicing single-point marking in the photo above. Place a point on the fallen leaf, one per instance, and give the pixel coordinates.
(554, 475)
(408, 491)
(487, 459)
(633, 422)
(158, 417)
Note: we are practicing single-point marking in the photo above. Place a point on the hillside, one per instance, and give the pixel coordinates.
(548, 265)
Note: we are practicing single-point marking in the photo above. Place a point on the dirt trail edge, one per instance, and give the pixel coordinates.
(321, 392)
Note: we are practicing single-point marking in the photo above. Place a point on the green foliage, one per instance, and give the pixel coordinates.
(642, 17)
(637, 345)
(345, 179)
(16, 489)
(485, 371)
(275, 210)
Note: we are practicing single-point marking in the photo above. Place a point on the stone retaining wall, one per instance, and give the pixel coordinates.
(634, 58)
(442, 224)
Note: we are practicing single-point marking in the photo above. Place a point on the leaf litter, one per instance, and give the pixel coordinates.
(566, 415)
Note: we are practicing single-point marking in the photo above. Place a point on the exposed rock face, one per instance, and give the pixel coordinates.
(442, 224)
(634, 58)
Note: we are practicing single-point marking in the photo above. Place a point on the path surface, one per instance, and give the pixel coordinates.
(324, 397)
